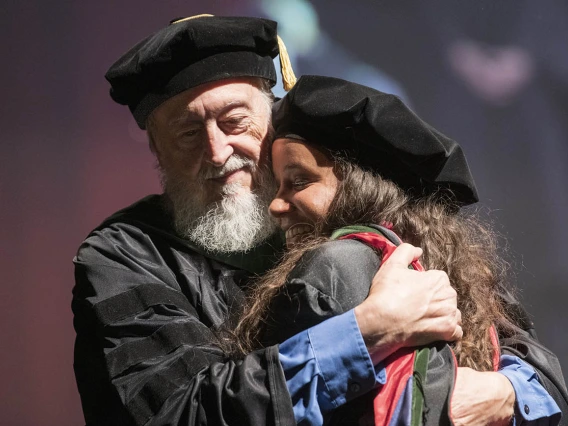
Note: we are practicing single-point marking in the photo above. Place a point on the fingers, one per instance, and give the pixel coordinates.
(422, 304)
(404, 255)
(458, 332)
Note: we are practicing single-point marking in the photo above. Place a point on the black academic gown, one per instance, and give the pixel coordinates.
(335, 277)
(145, 304)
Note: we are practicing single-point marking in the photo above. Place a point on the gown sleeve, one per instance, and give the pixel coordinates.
(145, 353)
(327, 281)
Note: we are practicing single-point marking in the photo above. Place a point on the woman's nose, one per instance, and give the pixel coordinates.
(279, 206)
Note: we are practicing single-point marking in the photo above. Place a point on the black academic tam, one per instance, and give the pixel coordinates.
(377, 131)
(189, 52)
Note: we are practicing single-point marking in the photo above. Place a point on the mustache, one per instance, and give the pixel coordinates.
(235, 162)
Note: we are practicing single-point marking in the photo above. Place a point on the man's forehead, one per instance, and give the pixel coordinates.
(210, 99)
(202, 110)
(228, 88)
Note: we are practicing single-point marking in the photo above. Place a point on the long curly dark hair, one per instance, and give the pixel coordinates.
(453, 240)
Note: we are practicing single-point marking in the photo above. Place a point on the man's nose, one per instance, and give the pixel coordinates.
(218, 147)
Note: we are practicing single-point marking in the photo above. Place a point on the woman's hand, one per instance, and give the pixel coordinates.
(482, 398)
(407, 308)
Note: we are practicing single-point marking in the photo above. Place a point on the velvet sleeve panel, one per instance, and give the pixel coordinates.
(145, 352)
(329, 280)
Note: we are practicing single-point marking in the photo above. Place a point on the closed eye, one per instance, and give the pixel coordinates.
(300, 184)
(235, 125)
(234, 120)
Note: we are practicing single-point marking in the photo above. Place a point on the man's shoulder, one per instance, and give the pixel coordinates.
(144, 231)
(135, 246)
(131, 229)
(148, 211)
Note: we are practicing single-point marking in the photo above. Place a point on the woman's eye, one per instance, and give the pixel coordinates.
(299, 183)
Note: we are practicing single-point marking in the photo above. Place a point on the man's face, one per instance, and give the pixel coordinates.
(197, 131)
(210, 145)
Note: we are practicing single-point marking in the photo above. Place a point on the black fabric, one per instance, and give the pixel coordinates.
(188, 53)
(378, 132)
(146, 304)
(321, 286)
(439, 385)
(327, 281)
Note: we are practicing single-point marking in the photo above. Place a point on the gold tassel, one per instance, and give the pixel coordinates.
(288, 77)
(190, 17)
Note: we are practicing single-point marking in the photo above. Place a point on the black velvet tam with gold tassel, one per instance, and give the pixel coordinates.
(193, 51)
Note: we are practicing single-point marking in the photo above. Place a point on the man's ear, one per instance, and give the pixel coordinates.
(151, 132)
(153, 144)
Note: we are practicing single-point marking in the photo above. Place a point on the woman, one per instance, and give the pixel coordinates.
(346, 154)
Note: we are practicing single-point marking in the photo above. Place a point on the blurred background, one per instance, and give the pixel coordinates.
(492, 75)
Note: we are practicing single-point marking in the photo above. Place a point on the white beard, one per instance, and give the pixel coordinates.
(237, 222)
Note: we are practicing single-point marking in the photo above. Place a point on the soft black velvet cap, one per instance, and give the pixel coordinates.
(188, 53)
(378, 132)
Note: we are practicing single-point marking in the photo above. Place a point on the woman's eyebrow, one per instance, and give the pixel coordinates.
(294, 166)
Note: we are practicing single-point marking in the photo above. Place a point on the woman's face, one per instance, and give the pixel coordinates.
(306, 186)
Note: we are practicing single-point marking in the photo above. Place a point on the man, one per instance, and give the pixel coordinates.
(156, 279)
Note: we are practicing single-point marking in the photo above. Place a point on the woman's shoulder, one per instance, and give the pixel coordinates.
(342, 269)
(328, 280)
(341, 252)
